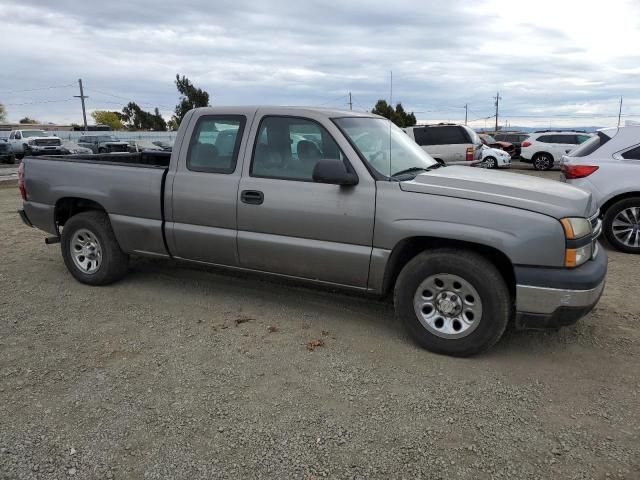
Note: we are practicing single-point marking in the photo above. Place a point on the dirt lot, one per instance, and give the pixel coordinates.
(188, 373)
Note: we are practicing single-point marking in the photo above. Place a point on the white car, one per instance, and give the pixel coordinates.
(608, 166)
(544, 149)
(30, 142)
(495, 158)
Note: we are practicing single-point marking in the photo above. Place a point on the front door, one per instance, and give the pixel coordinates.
(287, 224)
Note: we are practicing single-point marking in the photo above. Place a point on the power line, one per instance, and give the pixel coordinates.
(37, 103)
(6, 92)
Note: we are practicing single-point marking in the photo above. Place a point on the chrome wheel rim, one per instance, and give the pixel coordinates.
(542, 162)
(86, 251)
(448, 306)
(626, 227)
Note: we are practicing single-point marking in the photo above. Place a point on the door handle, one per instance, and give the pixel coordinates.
(253, 197)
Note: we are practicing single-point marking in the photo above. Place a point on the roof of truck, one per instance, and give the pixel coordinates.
(289, 110)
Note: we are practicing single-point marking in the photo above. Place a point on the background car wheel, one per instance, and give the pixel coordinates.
(491, 162)
(542, 161)
(19, 156)
(452, 301)
(90, 249)
(102, 150)
(622, 225)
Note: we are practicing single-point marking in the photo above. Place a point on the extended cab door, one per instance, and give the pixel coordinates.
(201, 218)
(287, 224)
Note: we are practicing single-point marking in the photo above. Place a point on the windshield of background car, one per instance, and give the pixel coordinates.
(386, 148)
(489, 138)
(590, 146)
(33, 133)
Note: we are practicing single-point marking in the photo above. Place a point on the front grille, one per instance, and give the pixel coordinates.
(596, 224)
(4, 147)
(118, 148)
(48, 142)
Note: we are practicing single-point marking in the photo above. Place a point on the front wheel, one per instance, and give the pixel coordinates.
(622, 225)
(491, 162)
(90, 249)
(453, 302)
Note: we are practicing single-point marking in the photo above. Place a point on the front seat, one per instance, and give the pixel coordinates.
(308, 156)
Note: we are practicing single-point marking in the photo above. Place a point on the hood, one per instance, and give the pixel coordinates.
(548, 197)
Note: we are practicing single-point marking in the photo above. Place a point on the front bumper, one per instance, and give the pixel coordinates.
(40, 150)
(555, 297)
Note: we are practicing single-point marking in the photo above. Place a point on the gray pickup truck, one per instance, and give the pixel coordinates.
(334, 198)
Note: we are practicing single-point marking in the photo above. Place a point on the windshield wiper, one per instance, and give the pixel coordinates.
(417, 169)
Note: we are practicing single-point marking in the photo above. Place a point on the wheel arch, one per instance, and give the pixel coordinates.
(408, 248)
(616, 198)
(542, 152)
(67, 207)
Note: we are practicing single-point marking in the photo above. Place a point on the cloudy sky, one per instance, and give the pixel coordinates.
(554, 62)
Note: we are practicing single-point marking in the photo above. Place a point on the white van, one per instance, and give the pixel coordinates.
(448, 142)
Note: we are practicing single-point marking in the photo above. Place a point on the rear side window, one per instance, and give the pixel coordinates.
(546, 139)
(590, 146)
(440, 135)
(288, 148)
(633, 154)
(215, 143)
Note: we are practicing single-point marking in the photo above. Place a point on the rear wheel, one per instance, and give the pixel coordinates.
(622, 225)
(542, 161)
(90, 249)
(452, 301)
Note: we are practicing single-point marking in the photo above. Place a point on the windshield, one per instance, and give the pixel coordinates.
(386, 148)
(488, 138)
(100, 138)
(33, 133)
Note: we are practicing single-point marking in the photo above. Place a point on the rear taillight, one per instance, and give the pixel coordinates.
(469, 157)
(525, 144)
(577, 171)
(23, 190)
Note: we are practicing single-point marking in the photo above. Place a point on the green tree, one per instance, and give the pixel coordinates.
(105, 117)
(398, 116)
(3, 113)
(27, 120)
(190, 97)
(137, 119)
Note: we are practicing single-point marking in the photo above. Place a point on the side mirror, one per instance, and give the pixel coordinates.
(333, 172)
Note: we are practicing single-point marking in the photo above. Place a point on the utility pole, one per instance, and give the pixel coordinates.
(82, 96)
(620, 112)
(391, 90)
(350, 102)
(466, 113)
(498, 98)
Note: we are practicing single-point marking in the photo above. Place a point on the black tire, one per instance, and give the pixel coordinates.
(610, 215)
(102, 150)
(491, 162)
(114, 261)
(19, 156)
(472, 268)
(542, 161)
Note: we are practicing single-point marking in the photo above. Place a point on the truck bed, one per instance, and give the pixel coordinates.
(139, 159)
(129, 186)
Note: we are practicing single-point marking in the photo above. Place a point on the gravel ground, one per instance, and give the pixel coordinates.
(184, 373)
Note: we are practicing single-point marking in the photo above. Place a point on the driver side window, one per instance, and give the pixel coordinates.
(288, 148)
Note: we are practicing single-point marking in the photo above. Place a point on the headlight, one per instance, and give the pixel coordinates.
(576, 227)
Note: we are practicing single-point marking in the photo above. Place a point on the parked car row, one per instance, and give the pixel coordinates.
(33, 142)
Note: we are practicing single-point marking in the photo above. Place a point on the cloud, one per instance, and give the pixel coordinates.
(443, 54)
